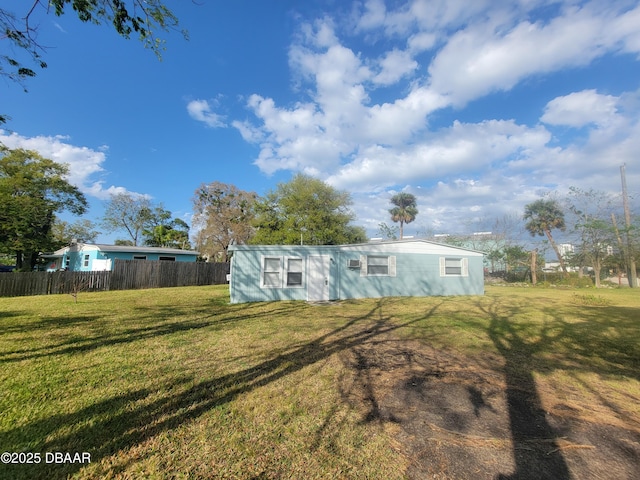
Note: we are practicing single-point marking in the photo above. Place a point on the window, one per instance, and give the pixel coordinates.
(450, 266)
(279, 272)
(453, 266)
(378, 265)
(294, 272)
(139, 257)
(86, 261)
(167, 259)
(271, 272)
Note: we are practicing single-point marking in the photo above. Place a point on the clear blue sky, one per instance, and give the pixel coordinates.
(477, 108)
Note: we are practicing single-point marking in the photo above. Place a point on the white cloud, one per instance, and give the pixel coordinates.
(373, 15)
(395, 65)
(477, 60)
(493, 55)
(337, 72)
(201, 111)
(445, 15)
(461, 148)
(338, 120)
(320, 34)
(84, 163)
(248, 132)
(472, 203)
(611, 137)
(624, 30)
(580, 108)
(433, 16)
(59, 27)
(371, 118)
(393, 123)
(421, 41)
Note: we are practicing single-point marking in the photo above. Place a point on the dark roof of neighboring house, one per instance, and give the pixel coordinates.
(126, 248)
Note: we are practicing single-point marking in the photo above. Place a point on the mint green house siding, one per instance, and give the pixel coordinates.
(333, 272)
(263, 273)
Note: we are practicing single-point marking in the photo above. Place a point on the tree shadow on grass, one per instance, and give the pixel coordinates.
(466, 415)
(535, 448)
(603, 341)
(124, 421)
(606, 340)
(161, 321)
(4, 314)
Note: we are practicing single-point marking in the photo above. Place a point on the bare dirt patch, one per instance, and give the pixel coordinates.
(458, 417)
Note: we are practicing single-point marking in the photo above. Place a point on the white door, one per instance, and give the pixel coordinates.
(318, 278)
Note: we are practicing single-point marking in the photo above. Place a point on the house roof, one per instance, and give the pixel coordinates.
(127, 249)
(415, 245)
(124, 248)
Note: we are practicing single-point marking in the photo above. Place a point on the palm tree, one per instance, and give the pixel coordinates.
(405, 210)
(543, 216)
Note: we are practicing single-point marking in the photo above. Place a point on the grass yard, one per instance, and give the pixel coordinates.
(178, 383)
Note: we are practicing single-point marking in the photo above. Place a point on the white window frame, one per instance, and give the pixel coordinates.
(166, 258)
(463, 266)
(282, 271)
(139, 257)
(288, 270)
(86, 259)
(263, 270)
(364, 266)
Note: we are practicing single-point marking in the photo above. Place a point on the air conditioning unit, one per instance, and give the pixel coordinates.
(353, 263)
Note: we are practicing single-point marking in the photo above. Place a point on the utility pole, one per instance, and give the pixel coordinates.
(534, 265)
(631, 263)
(620, 244)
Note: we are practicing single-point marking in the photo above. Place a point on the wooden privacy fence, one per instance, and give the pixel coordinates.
(133, 274)
(18, 284)
(126, 275)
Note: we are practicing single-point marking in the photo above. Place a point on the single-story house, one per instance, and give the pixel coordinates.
(87, 257)
(368, 270)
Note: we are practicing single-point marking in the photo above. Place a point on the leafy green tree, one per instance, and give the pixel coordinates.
(170, 234)
(305, 210)
(223, 214)
(615, 264)
(130, 213)
(123, 242)
(32, 190)
(496, 257)
(355, 234)
(144, 222)
(19, 24)
(629, 248)
(543, 216)
(405, 209)
(515, 256)
(518, 262)
(84, 231)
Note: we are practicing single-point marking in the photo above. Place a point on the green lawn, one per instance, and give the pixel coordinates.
(177, 383)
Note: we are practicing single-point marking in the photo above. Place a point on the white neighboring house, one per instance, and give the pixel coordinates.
(565, 249)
